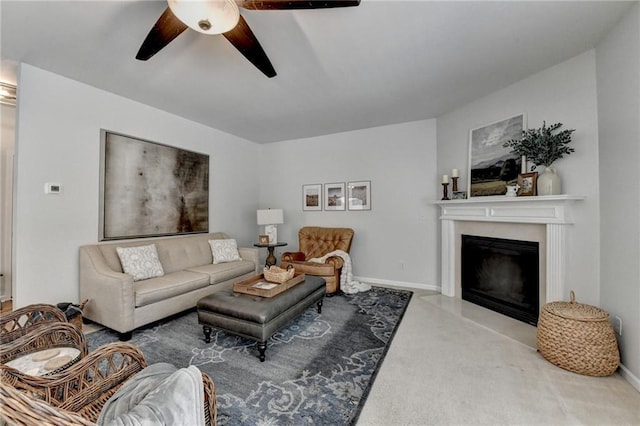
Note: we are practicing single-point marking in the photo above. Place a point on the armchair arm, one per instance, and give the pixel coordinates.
(109, 293)
(60, 334)
(336, 261)
(250, 254)
(210, 402)
(311, 268)
(19, 408)
(289, 256)
(299, 258)
(22, 321)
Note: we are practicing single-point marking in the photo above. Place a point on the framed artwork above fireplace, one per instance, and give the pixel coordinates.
(492, 166)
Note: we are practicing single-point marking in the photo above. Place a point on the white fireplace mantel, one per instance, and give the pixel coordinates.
(553, 211)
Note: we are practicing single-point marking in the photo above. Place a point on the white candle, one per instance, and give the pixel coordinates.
(454, 173)
(445, 179)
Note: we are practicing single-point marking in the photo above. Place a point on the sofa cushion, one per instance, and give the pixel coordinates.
(140, 262)
(177, 254)
(170, 285)
(224, 271)
(224, 251)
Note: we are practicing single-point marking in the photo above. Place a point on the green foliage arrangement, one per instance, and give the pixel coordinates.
(541, 146)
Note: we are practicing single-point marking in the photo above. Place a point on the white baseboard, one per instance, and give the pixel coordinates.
(629, 377)
(390, 283)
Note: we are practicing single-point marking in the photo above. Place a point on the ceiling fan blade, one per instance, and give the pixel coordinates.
(163, 32)
(246, 42)
(295, 4)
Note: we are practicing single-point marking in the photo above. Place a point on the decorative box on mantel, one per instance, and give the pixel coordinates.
(554, 212)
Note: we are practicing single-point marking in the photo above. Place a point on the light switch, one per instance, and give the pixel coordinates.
(52, 188)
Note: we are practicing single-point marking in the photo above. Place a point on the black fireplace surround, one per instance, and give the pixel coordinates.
(502, 275)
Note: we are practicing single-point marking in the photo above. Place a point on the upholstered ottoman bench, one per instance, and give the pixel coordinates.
(255, 317)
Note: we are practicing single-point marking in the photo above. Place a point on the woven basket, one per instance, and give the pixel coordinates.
(578, 338)
(278, 275)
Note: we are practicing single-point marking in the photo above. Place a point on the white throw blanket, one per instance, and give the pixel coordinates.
(347, 284)
(161, 394)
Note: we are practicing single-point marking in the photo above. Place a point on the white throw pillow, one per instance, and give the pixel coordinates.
(224, 251)
(140, 262)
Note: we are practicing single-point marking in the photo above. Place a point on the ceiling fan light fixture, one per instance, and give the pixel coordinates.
(207, 16)
(205, 25)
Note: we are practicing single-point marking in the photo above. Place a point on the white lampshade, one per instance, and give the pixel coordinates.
(270, 217)
(207, 16)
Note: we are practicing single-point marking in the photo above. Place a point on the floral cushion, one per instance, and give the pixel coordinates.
(224, 251)
(140, 262)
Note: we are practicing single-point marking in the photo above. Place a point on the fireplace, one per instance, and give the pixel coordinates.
(502, 275)
(508, 217)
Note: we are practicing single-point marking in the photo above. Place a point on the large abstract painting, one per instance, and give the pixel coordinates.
(149, 189)
(492, 166)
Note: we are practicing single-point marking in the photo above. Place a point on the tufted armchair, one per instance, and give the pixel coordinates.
(315, 242)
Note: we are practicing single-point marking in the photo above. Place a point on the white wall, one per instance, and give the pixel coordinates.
(564, 93)
(618, 66)
(402, 226)
(58, 140)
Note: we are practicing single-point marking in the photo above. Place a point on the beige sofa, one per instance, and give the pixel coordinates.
(118, 302)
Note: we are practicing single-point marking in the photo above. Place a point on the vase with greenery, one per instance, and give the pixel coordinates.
(542, 147)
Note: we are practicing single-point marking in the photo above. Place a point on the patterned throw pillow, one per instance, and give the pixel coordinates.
(224, 251)
(140, 262)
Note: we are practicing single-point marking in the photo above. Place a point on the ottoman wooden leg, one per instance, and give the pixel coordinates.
(207, 333)
(320, 306)
(262, 347)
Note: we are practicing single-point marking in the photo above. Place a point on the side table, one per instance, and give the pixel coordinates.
(271, 259)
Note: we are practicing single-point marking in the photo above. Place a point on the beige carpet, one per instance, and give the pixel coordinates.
(454, 363)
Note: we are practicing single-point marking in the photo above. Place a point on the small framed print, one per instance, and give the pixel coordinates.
(334, 196)
(527, 183)
(359, 194)
(312, 197)
(263, 239)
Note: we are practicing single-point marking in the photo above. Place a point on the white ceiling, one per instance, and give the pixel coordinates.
(380, 63)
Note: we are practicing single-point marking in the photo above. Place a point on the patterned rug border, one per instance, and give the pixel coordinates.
(365, 394)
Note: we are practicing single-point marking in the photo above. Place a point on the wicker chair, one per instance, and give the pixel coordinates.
(18, 408)
(85, 387)
(55, 335)
(26, 319)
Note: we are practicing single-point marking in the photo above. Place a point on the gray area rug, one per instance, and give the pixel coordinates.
(319, 369)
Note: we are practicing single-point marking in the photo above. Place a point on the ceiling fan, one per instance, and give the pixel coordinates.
(223, 17)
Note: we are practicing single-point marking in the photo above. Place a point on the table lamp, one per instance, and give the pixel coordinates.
(270, 218)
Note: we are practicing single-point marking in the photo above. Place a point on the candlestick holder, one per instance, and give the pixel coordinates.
(445, 191)
(454, 186)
